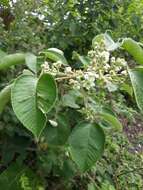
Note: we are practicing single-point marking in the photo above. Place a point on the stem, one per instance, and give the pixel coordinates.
(65, 77)
(13, 59)
(4, 97)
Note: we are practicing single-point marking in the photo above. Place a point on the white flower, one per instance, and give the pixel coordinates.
(68, 70)
(121, 61)
(76, 86)
(86, 76)
(118, 68)
(97, 76)
(45, 66)
(57, 64)
(72, 81)
(124, 72)
(105, 55)
(53, 123)
(113, 59)
(106, 67)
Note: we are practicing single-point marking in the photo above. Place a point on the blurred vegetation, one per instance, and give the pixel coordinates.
(70, 25)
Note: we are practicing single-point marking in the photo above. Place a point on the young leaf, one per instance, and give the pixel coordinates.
(111, 120)
(97, 39)
(55, 55)
(28, 98)
(110, 44)
(136, 76)
(86, 145)
(134, 49)
(31, 62)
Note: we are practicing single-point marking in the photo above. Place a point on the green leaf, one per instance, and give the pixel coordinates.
(134, 49)
(2, 54)
(11, 60)
(28, 99)
(83, 59)
(57, 135)
(16, 175)
(97, 39)
(31, 62)
(4, 97)
(24, 103)
(111, 120)
(91, 186)
(127, 88)
(5, 2)
(7, 61)
(69, 100)
(111, 86)
(136, 76)
(46, 93)
(9, 178)
(86, 145)
(109, 43)
(55, 55)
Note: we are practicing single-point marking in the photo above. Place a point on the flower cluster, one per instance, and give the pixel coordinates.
(53, 68)
(104, 73)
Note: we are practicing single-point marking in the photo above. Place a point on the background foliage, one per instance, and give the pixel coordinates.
(31, 26)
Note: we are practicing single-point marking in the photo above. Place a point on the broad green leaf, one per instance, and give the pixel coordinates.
(134, 49)
(136, 76)
(68, 170)
(24, 103)
(111, 120)
(28, 99)
(59, 134)
(86, 144)
(31, 62)
(46, 92)
(55, 54)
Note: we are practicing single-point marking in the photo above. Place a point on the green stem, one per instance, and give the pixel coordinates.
(4, 97)
(13, 59)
